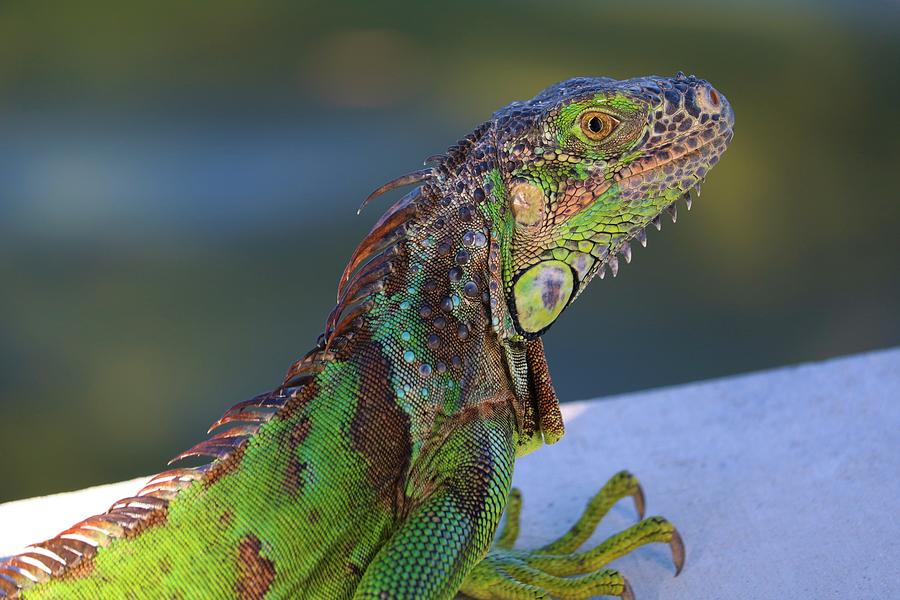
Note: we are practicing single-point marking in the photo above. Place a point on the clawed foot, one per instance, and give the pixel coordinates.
(556, 569)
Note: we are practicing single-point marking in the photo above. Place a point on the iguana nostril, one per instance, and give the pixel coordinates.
(709, 98)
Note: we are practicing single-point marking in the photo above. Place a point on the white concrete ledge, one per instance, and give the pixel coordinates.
(784, 484)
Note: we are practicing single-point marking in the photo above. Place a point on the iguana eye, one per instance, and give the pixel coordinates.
(597, 125)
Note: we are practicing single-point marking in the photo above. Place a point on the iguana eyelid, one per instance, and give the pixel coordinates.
(588, 122)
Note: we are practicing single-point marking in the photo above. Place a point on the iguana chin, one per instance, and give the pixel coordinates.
(381, 466)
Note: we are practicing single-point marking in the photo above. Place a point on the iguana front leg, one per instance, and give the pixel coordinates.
(511, 574)
(448, 532)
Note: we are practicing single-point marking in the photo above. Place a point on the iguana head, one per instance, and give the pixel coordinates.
(527, 209)
(583, 169)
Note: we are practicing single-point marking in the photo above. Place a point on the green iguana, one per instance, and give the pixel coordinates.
(381, 466)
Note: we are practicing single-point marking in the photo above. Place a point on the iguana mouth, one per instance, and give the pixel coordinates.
(709, 143)
(682, 152)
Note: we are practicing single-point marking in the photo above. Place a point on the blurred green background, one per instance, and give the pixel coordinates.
(178, 183)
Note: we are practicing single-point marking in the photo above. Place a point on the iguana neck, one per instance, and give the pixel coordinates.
(424, 291)
(431, 314)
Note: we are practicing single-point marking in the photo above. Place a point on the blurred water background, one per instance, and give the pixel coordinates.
(178, 186)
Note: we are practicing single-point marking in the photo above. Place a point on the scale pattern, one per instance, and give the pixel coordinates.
(382, 464)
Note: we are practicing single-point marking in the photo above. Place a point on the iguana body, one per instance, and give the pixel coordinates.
(381, 466)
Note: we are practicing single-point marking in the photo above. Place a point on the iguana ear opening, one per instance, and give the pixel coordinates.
(539, 295)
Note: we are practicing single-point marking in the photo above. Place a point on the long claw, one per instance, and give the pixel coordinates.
(677, 546)
(639, 502)
(627, 593)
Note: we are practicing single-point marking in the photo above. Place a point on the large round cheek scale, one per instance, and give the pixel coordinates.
(541, 293)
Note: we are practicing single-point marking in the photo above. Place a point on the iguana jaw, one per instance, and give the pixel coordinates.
(706, 155)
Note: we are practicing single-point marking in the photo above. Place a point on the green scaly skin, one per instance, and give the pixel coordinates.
(382, 466)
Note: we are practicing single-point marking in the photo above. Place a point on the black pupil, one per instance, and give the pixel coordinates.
(595, 125)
